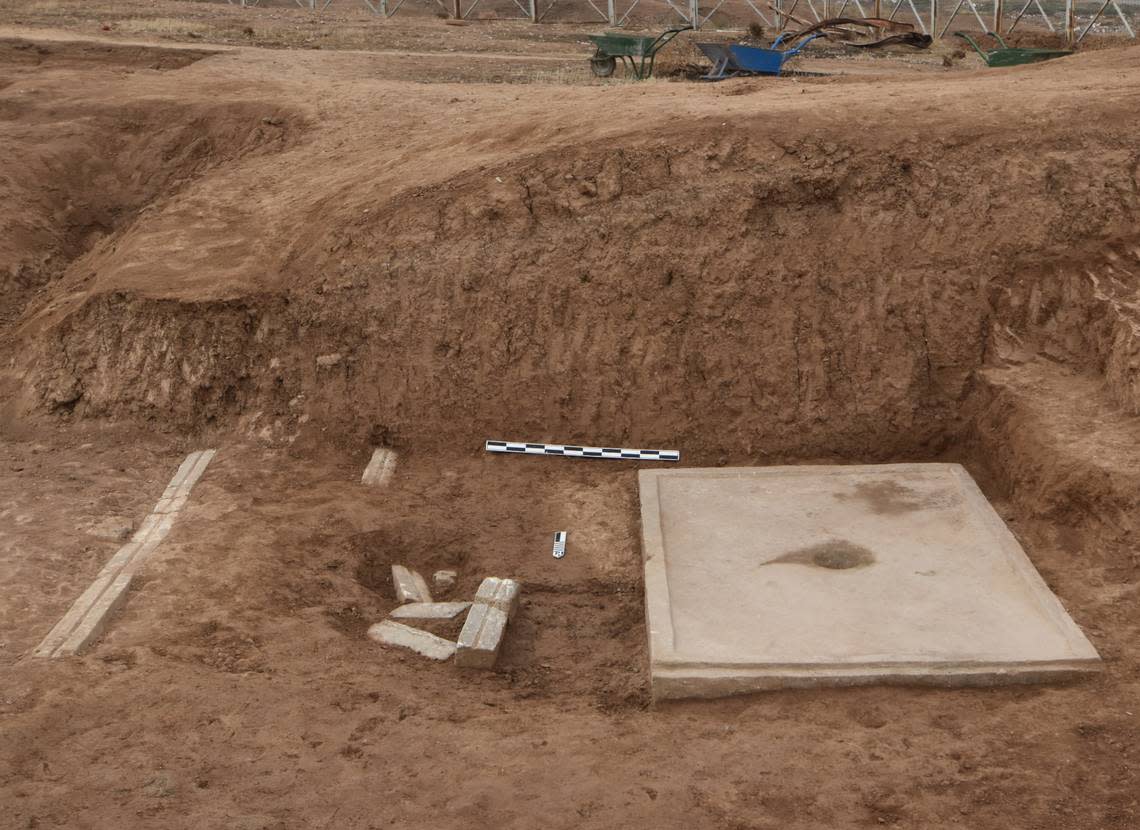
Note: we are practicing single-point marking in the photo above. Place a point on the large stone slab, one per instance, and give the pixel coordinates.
(764, 578)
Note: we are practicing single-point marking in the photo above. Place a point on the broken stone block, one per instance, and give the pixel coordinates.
(409, 585)
(430, 610)
(422, 642)
(482, 634)
(444, 581)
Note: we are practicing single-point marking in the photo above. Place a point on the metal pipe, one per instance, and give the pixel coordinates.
(1124, 20)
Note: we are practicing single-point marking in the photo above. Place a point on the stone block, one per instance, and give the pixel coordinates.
(380, 468)
(482, 636)
(444, 581)
(422, 642)
(409, 585)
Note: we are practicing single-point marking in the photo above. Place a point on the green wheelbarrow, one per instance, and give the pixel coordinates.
(636, 51)
(1011, 55)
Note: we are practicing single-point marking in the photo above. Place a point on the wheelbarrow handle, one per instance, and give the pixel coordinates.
(972, 42)
(795, 50)
(997, 37)
(667, 36)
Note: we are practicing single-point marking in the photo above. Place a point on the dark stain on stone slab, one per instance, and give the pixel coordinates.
(836, 555)
(887, 498)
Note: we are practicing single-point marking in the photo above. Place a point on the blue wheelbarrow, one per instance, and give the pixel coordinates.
(732, 59)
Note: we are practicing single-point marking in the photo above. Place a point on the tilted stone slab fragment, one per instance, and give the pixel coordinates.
(380, 468)
(430, 610)
(422, 642)
(409, 585)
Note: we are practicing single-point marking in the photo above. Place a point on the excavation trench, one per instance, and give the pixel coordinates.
(1030, 380)
(939, 267)
(738, 294)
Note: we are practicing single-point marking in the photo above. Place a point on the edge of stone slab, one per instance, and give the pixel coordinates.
(680, 682)
(658, 616)
(429, 610)
(1050, 604)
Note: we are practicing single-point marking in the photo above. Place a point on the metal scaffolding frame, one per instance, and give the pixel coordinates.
(782, 14)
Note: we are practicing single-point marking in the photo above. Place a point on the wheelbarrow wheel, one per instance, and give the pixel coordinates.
(603, 65)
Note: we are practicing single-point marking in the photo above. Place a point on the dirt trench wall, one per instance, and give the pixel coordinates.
(190, 365)
(737, 297)
(1080, 308)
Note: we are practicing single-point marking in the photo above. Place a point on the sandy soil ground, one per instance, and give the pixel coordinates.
(870, 267)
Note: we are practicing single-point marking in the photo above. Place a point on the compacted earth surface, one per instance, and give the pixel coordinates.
(296, 255)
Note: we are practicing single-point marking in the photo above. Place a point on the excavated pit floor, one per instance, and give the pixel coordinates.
(764, 578)
(242, 647)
